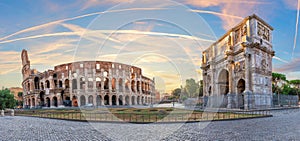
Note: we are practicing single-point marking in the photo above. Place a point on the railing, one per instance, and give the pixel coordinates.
(146, 117)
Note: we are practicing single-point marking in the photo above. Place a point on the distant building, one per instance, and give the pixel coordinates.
(238, 66)
(15, 91)
(87, 82)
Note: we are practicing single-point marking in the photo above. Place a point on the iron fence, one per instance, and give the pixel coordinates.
(146, 117)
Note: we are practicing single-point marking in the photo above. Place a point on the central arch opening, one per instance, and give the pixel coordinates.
(240, 90)
(223, 82)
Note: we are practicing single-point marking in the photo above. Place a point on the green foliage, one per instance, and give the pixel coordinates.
(6, 99)
(297, 82)
(278, 76)
(176, 92)
(287, 90)
(192, 88)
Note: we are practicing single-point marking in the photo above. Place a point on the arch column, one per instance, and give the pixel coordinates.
(117, 100)
(130, 100)
(110, 99)
(102, 100)
(230, 79)
(248, 92)
(94, 99)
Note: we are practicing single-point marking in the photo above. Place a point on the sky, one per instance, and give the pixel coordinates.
(165, 38)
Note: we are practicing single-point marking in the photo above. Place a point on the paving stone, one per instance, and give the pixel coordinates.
(284, 125)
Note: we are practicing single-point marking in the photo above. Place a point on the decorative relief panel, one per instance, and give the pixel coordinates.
(263, 32)
(239, 66)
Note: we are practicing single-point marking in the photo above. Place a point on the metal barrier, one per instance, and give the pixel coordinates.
(146, 117)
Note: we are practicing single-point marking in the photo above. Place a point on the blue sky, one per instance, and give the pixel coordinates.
(165, 38)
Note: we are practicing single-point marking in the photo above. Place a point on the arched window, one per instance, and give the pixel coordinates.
(120, 85)
(67, 83)
(36, 83)
(98, 83)
(47, 84)
(82, 83)
(74, 84)
(113, 84)
(106, 86)
(90, 83)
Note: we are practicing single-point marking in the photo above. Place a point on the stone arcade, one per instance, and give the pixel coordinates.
(88, 82)
(238, 67)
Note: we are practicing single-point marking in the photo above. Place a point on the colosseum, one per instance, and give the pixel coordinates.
(83, 83)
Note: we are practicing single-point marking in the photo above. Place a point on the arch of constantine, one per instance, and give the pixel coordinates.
(238, 67)
(89, 82)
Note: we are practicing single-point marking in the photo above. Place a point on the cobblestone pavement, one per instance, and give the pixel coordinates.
(284, 125)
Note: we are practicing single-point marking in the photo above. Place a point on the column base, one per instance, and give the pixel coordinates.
(248, 99)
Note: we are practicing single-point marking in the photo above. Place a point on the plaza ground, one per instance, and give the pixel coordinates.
(284, 125)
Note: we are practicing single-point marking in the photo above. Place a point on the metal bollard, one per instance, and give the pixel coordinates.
(12, 112)
(2, 113)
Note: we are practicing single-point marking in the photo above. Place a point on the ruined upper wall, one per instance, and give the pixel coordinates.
(252, 29)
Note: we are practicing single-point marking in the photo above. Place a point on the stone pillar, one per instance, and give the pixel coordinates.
(230, 77)
(86, 81)
(78, 101)
(94, 81)
(95, 99)
(59, 100)
(2, 113)
(110, 99)
(102, 100)
(247, 92)
(12, 112)
(117, 99)
(130, 100)
(213, 89)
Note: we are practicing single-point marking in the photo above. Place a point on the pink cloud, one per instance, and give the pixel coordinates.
(292, 4)
(230, 9)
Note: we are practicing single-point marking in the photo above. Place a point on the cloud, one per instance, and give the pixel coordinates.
(281, 60)
(292, 66)
(231, 10)
(53, 23)
(94, 3)
(292, 4)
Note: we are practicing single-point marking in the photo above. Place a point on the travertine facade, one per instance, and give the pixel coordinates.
(239, 66)
(88, 82)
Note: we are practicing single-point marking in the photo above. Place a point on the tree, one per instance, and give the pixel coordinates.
(176, 92)
(6, 99)
(296, 84)
(192, 88)
(277, 77)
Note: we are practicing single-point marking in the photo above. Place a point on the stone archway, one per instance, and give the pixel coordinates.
(42, 98)
(223, 82)
(82, 100)
(114, 100)
(223, 85)
(48, 102)
(54, 100)
(98, 100)
(138, 100)
(240, 90)
(126, 100)
(90, 100)
(120, 100)
(106, 100)
(33, 102)
(133, 100)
